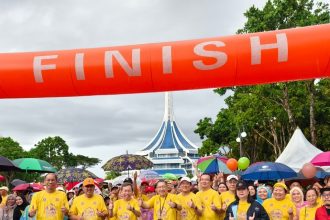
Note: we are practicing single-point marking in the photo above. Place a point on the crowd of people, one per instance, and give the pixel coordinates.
(209, 198)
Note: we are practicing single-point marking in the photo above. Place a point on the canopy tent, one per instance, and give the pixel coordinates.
(298, 151)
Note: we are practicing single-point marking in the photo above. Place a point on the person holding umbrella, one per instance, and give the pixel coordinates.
(244, 206)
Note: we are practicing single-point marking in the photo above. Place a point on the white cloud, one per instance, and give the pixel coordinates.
(106, 126)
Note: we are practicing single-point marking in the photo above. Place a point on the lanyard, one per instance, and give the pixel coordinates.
(160, 206)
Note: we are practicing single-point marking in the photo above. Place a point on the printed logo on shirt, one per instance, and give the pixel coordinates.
(50, 210)
(276, 214)
(89, 212)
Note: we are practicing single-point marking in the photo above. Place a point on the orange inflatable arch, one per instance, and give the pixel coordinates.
(249, 59)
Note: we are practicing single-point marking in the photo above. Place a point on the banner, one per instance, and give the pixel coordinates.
(249, 59)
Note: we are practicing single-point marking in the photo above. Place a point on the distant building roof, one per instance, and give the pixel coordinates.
(169, 139)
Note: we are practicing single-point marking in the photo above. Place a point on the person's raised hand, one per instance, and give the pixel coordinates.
(253, 216)
(172, 204)
(231, 217)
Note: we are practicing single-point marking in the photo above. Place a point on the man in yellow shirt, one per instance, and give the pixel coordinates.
(165, 204)
(191, 205)
(49, 204)
(226, 198)
(210, 200)
(127, 207)
(89, 205)
(4, 193)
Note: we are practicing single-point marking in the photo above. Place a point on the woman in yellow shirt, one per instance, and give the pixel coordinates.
(244, 207)
(308, 212)
(279, 207)
(127, 207)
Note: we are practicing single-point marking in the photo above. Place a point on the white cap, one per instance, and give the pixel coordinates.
(4, 188)
(185, 179)
(232, 177)
(60, 188)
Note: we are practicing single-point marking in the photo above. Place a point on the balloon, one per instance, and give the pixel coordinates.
(265, 57)
(232, 164)
(309, 170)
(243, 163)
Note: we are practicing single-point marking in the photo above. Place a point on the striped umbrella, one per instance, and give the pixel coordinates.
(212, 164)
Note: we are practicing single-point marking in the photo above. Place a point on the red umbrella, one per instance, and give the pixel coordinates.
(25, 186)
(322, 159)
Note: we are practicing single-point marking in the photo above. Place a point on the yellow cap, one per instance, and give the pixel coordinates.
(88, 181)
(282, 185)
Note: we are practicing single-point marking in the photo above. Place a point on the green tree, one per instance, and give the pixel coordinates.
(11, 149)
(84, 162)
(52, 149)
(56, 151)
(270, 113)
(111, 175)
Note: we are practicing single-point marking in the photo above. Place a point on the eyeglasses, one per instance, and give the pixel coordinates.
(326, 195)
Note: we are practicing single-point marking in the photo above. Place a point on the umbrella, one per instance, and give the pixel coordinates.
(322, 159)
(146, 175)
(170, 176)
(72, 174)
(36, 165)
(212, 164)
(7, 165)
(25, 186)
(268, 171)
(17, 182)
(127, 162)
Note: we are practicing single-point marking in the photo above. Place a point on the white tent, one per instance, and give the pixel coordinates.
(298, 151)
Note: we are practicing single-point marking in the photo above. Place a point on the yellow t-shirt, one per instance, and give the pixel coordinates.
(226, 198)
(162, 210)
(4, 200)
(48, 205)
(242, 210)
(308, 213)
(187, 212)
(207, 198)
(144, 197)
(120, 209)
(278, 210)
(88, 207)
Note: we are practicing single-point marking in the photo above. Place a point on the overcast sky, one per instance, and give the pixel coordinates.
(107, 126)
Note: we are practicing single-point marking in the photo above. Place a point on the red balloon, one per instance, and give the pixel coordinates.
(309, 170)
(2, 178)
(232, 164)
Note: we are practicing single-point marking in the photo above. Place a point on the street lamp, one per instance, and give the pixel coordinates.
(239, 140)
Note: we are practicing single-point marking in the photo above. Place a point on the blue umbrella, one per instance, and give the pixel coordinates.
(268, 171)
(321, 173)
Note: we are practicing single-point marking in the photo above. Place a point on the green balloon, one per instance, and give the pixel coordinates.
(243, 163)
